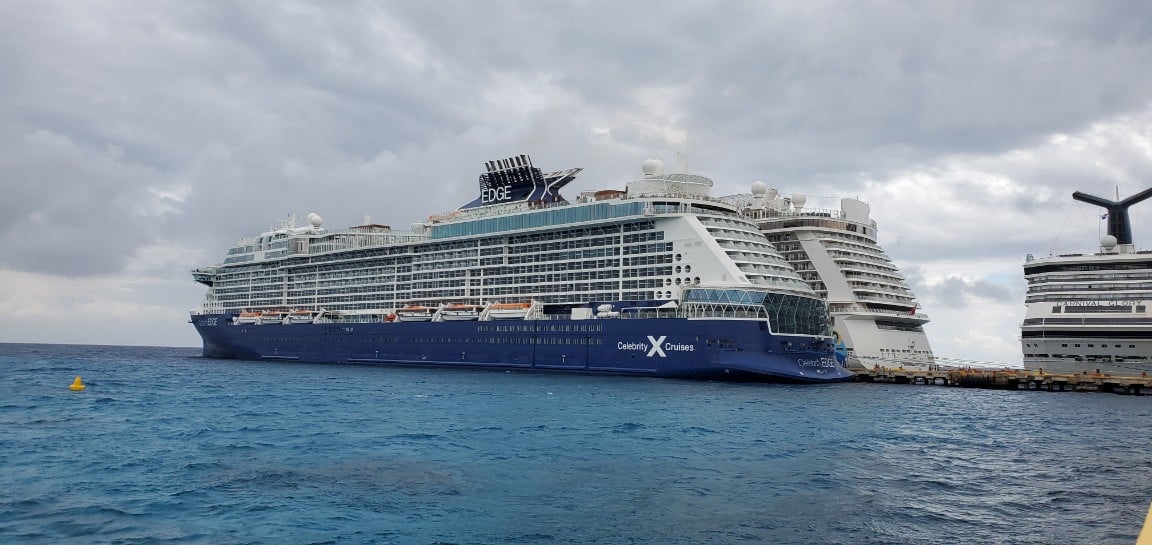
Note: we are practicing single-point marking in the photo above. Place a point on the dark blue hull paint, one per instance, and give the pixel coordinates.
(665, 347)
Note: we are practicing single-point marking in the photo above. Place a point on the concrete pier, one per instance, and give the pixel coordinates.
(1009, 379)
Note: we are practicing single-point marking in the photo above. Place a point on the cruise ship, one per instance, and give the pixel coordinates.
(1088, 313)
(658, 279)
(875, 315)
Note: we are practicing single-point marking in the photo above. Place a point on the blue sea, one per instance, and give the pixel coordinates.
(166, 447)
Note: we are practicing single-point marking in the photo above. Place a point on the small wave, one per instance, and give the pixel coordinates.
(525, 538)
(203, 466)
(416, 436)
(628, 427)
(698, 430)
(484, 428)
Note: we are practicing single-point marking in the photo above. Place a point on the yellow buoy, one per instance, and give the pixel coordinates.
(77, 384)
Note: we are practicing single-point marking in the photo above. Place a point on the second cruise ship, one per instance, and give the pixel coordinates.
(1089, 313)
(874, 313)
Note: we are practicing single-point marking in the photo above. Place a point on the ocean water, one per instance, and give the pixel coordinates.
(166, 447)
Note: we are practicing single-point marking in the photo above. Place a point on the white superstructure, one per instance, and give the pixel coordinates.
(874, 312)
(659, 239)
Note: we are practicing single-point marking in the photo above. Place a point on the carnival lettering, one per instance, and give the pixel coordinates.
(1117, 303)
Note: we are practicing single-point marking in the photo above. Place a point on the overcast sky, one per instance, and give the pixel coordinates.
(138, 140)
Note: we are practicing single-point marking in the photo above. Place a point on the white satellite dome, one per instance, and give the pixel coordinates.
(759, 188)
(652, 168)
(315, 219)
(798, 200)
(1107, 242)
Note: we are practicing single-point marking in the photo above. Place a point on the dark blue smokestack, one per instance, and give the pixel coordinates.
(1118, 224)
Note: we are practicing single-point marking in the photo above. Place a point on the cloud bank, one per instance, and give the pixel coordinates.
(137, 141)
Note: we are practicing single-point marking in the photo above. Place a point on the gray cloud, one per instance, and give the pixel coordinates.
(127, 127)
(957, 291)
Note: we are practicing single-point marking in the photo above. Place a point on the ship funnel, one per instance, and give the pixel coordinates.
(1119, 225)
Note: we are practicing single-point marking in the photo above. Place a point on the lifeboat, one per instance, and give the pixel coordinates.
(272, 317)
(460, 312)
(414, 314)
(302, 316)
(508, 311)
(607, 311)
(247, 317)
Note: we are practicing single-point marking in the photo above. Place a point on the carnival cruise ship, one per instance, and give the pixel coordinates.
(874, 313)
(1088, 313)
(657, 279)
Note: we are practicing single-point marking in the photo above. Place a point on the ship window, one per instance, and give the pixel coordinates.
(1056, 309)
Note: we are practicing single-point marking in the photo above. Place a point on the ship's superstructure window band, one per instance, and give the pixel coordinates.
(536, 220)
(540, 263)
(787, 313)
(543, 263)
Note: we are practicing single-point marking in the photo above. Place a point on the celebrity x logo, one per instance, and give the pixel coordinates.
(656, 349)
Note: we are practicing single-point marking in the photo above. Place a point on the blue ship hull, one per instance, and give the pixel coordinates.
(665, 347)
